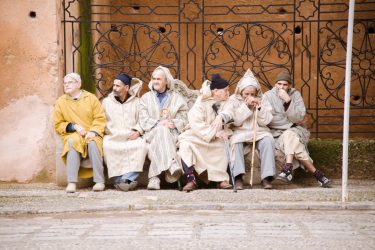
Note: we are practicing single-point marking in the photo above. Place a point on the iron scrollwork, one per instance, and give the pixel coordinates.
(246, 45)
(134, 48)
(333, 61)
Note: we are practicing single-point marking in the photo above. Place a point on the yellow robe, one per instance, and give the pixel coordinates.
(87, 112)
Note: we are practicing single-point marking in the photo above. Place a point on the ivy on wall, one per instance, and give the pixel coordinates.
(84, 67)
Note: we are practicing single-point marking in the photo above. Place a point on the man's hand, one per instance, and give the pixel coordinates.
(217, 124)
(222, 134)
(167, 123)
(284, 95)
(252, 101)
(134, 135)
(80, 130)
(170, 124)
(303, 122)
(163, 123)
(90, 135)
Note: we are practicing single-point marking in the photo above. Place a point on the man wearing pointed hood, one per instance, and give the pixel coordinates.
(162, 116)
(247, 98)
(124, 148)
(287, 127)
(202, 147)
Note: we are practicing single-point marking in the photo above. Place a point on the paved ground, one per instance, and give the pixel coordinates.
(297, 216)
(48, 198)
(272, 229)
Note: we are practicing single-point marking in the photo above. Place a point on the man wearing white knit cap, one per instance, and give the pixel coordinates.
(246, 98)
(162, 116)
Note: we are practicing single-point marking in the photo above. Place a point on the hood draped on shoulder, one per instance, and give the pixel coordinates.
(168, 75)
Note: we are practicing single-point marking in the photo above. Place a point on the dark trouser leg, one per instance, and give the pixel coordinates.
(189, 172)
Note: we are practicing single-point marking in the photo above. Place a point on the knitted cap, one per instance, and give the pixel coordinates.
(284, 76)
(124, 78)
(217, 82)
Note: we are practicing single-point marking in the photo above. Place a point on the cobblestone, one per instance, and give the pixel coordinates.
(282, 229)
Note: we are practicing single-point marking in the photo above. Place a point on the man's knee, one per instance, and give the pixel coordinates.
(268, 140)
(92, 145)
(289, 134)
(70, 142)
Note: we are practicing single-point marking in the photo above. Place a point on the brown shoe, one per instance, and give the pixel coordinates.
(224, 185)
(190, 186)
(239, 184)
(266, 184)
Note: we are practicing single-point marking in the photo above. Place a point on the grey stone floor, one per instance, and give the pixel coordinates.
(194, 229)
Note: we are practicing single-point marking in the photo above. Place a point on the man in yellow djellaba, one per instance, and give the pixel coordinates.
(80, 121)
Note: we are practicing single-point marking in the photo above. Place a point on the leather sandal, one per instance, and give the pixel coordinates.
(224, 185)
(190, 186)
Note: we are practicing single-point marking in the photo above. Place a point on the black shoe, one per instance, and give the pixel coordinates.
(324, 182)
(285, 175)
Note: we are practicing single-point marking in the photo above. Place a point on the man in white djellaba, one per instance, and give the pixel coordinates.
(124, 148)
(163, 115)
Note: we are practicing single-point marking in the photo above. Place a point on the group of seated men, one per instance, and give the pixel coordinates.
(200, 142)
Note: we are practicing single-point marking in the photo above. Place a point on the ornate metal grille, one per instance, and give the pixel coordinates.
(196, 38)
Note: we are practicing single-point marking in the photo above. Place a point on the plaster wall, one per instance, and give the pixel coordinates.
(29, 86)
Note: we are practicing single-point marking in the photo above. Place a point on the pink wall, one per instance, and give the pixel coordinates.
(29, 85)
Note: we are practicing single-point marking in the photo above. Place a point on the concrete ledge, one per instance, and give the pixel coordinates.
(48, 198)
(207, 207)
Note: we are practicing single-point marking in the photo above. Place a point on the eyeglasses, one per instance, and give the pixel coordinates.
(69, 82)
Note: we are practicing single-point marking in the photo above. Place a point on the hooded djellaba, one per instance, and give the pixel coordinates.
(155, 107)
(121, 154)
(245, 124)
(244, 116)
(199, 146)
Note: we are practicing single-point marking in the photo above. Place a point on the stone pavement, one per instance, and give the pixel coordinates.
(302, 194)
(150, 229)
(300, 215)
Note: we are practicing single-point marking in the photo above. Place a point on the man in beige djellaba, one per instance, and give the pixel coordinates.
(287, 127)
(202, 147)
(162, 115)
(246, 98)
(124, 148)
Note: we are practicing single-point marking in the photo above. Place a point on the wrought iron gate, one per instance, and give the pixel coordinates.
(196, 38)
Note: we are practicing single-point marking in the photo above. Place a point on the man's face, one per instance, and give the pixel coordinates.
(120, 90)
(221, 94)
(249, 91)
(71, 86)
(282, 85)
(159, 81)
